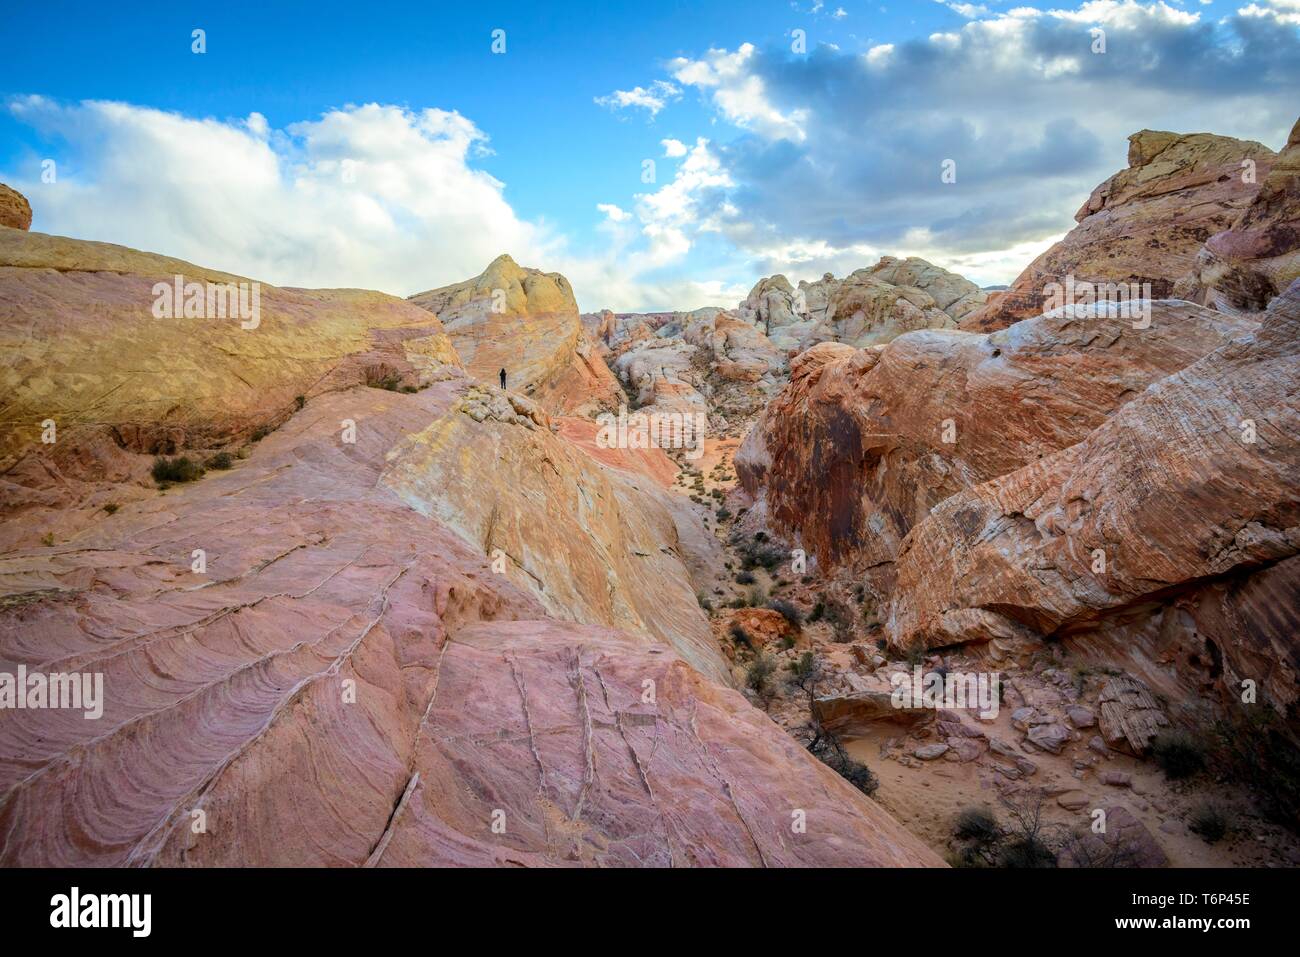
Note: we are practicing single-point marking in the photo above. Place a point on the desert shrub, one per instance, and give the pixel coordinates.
(1254, 748)
(300, 400)
(1178, 754)
(804, 666)
(757, 597)
(1209, 822)
(704, 602)
(382, 378)
(759, 673)
(260, 433)
(745, 578)
(788, 611)
(976, 825)
(818, 611)
(220, 461)
(722, 515)
(179, 469)
(111, 507)
(828, 751)
(1026, 852)
(740, 636)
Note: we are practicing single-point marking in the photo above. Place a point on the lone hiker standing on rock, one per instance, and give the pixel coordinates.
(503, 378)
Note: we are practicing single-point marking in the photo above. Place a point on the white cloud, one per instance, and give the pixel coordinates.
(651, 99)
(1281, 11)
(371, 196)
(739, 93)
(673, 148)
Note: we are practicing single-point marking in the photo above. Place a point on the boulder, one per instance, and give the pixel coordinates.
(15, 211)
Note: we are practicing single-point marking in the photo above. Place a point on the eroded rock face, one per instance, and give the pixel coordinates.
(1242, 268)
(593, 545)
(15, 211)
(1145, 225)
(1171, 531)
(526, 322)
(863, 444)
(350, 682)
(130, 381)
(870, 306)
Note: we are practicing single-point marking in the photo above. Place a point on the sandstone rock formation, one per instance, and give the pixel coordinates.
(526, 322)
(15, 211)
(399, 636)
(1188, 494)
(1146, 224)
(129, 381)
(702, 362)
(1242, 268)
(350, 682)
(863, 444)
(871, 306)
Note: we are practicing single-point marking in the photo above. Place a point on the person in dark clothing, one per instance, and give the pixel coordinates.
(503, 378)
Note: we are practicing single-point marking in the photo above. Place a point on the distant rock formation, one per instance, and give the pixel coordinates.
(1242, 268)
(526, 322)
(706, 361)
(869, 307)
(15, 211)
(1146, 224)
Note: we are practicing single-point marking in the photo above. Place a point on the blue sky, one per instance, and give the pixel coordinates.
(386, 145)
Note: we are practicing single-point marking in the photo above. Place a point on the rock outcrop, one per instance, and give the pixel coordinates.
(869, 307)
(1171, 531)
(1143, 226)
(87, 353)
(15, 211)
(863, 444)
(1242, 268)
(526, 322)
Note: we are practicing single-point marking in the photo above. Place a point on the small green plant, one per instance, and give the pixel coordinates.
(1209, 822)
(221, 461)
(47, 539)
(1178, 754)
(818, 611)
(745, 578)
(111, 508)
(260, 433)
(787, 611)
(180, 469)
(299, 400)
(804, 667)
(759, 673)
(976, 825)
(740, 636)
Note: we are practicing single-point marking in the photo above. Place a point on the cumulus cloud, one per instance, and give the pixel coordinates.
(652, 99)
(739, 92)
(371, 196)
(841, 153)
